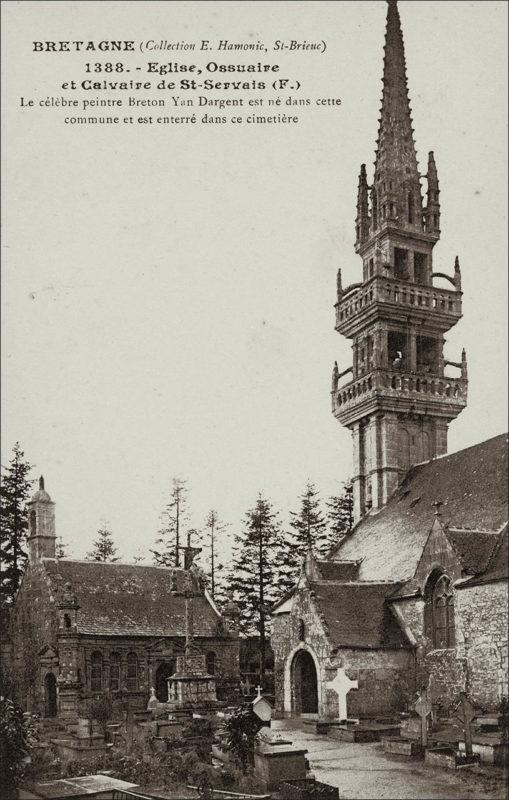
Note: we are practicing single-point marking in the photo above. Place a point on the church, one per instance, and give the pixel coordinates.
(80, 629)
(416, 596)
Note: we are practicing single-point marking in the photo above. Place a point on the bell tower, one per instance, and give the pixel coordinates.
(400, 397)
(41, 525)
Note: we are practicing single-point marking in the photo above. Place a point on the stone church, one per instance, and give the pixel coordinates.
(82, 628)
(416, 596)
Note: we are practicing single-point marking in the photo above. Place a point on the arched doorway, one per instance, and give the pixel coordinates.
(163, 672)
(304, 684)
(50, 695)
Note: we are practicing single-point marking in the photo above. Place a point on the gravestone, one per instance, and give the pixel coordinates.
(341, 684)
(261, 707)
(466, 714)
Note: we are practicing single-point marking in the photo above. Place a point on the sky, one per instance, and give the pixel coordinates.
(168, 291)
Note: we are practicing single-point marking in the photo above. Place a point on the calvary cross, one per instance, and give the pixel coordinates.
(342, 684)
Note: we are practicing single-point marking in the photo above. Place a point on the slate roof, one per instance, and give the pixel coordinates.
(474, 548)
(357, 616)
(338, 570)
(130, 600)
(497, 567)
(471, 484)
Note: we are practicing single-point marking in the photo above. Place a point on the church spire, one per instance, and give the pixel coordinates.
(396, 193)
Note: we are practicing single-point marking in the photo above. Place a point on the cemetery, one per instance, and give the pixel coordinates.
(195, 746)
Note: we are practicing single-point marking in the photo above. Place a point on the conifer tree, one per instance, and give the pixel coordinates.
(173, 518)
(14, 494)
(309, 525)
(254, 574)
(211, 537)
(104, 548)
(340, 515)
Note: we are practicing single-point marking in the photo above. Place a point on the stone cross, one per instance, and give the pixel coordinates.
(153, 702)
(259, 690)
(342, 684)
(423, 708)
(465, 713)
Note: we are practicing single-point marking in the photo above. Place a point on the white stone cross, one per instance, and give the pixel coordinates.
(342, 684)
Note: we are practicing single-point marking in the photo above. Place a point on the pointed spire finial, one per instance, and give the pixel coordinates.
(41, 483)
(396, 190)
(464, 368)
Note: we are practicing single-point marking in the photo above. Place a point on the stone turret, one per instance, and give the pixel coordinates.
(432, 211)
(362, 218)
(41, 525)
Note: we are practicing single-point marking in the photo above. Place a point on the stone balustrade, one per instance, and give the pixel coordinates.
(387, 290)
(393, 383)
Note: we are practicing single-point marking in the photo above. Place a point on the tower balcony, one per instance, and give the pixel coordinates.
(403, 392)
(390, 298)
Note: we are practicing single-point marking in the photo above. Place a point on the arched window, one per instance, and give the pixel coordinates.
(442, 613)
(132, 672)
(33, 523)
(96, 672)
(211, 663)
(67, 621)
(115, 672)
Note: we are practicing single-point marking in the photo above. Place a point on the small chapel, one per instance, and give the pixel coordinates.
(80, 629)
(416, 596)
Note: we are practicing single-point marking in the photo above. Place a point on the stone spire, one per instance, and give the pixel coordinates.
(396, 193)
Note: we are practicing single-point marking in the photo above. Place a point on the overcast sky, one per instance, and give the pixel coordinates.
(168, 291)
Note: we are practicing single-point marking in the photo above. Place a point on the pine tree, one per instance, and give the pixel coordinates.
(104, 549)
(210, 539)
(340, 515)
(14, 494)
(254, 574)
(309, 525)
(174, 516)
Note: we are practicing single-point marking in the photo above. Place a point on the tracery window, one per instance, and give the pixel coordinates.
(132, 672)
(115, 672)
(443, 613)
(96, 671)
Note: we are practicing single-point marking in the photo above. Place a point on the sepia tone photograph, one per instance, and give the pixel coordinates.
(254, 538)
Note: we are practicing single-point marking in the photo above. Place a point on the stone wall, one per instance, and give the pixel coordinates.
(300, 629)
(385, 678)
(34, 625)
(446, 679)
(482, 623)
